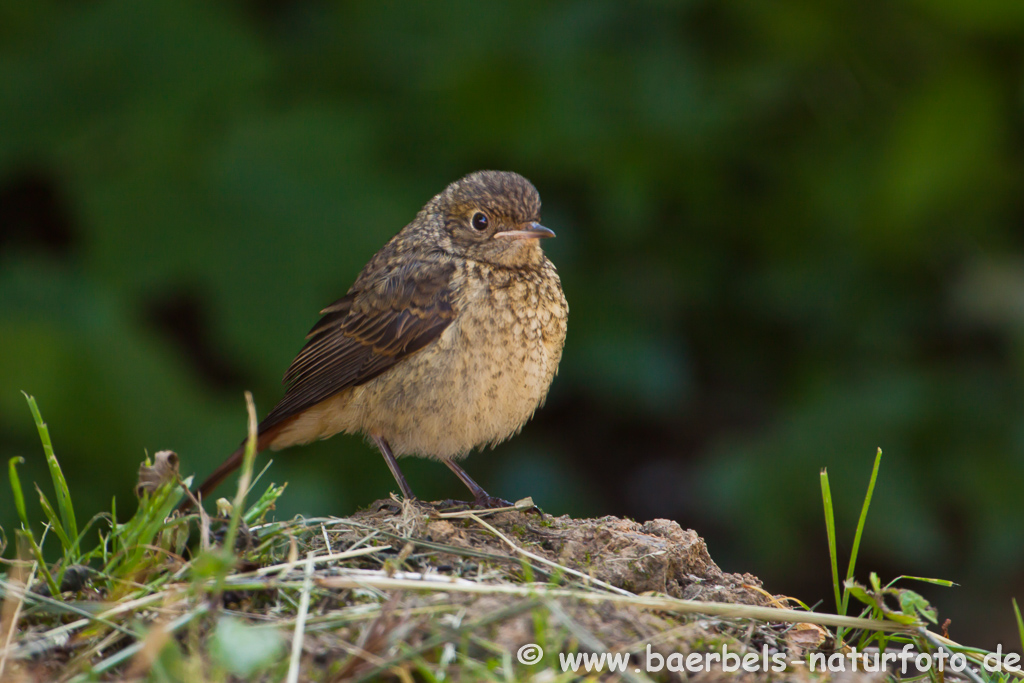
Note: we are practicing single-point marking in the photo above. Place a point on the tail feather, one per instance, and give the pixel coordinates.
(232, 463)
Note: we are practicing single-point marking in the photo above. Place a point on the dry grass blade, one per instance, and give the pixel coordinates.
(60, 606)
(446, 548)
(452, 635)
(285, 567)
(81, 660)
(521, 505)
(56, 637)
(717, 609)
(543, 560)
(130, 651)
(11, 611)
(375, 638)
(153, 643)
(589, 640)
(300, 622)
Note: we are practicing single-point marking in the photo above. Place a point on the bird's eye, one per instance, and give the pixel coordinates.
(479, 221)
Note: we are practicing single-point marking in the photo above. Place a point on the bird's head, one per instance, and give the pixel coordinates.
(492, 216)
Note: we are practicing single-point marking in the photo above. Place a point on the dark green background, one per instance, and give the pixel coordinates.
(790, 232)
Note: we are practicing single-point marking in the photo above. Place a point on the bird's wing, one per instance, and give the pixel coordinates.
(378, 323)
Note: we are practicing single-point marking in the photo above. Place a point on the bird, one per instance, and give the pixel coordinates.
(447, 341)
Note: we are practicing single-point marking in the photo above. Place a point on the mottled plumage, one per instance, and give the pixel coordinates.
(447, 341)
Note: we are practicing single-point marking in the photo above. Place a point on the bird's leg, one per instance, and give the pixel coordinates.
(389, 458)
(480, 497)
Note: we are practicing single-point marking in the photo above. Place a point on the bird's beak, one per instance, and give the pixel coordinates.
(527, 231)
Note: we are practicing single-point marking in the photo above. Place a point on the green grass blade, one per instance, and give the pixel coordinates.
(923, 579)
(26, 532)
(244, 478)
(1020, 622)
(132, 541)
(19, 497)
(55, 524)
(60, 485)
(861, 522)
(97, 550)
(37, 553)
(830, 528)
(265, 502)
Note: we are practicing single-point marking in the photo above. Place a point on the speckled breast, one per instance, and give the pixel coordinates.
(487, 373)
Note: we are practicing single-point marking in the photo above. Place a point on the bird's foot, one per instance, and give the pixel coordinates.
(485, 502)
(452, 505)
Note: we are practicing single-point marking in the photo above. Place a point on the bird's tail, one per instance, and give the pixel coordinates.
(233, 462)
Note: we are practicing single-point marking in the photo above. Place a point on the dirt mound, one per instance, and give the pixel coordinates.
(658, 556)
(483, 556)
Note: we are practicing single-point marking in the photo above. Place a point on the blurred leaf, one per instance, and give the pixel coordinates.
(244, 650)
(913, 603)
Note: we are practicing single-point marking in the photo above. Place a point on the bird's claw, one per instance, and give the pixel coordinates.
(485, 502)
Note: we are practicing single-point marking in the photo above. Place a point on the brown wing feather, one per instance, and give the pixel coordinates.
(365, 333)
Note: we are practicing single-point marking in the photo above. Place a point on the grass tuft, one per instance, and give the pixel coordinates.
(68, 528)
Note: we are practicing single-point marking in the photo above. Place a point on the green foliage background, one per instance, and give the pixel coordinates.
(790, 232)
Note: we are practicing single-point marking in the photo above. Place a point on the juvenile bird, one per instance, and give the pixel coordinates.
(447, 341)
